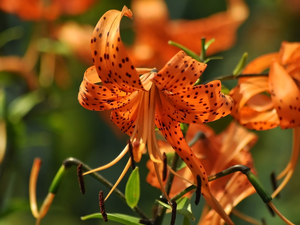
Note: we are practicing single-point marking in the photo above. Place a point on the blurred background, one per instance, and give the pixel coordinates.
(43, 55)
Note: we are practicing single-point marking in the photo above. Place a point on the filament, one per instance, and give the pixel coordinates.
(117, 159)
(119, 179)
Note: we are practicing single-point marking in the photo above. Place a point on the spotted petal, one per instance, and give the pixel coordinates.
(199, 104)
(179, 74)
(109, 55)
(94, 96)
(285, 95)
(126, 118)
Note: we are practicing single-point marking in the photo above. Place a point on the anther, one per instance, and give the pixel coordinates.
(274, 183)
(131, 154)
(165, 164)
(173, 216)
(198, 190)
(270, 210)
(154, 71)
(263, 221)
(80, 179)
(102, 207)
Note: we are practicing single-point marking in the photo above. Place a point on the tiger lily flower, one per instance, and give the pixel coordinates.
(142, 98)
(154, 29)
(281, 106)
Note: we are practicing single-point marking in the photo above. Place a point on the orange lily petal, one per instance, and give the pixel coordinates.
(260, 64)
(260, 103)
(125, 118)
(109, 55)
(248, 89)
(94, 96)
(200, 104)
(285, 95)
(179, 74)
(289, 52)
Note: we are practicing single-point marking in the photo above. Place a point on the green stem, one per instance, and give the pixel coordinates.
(75, 162)
(203, 50)
(199, 136)
(260, 189)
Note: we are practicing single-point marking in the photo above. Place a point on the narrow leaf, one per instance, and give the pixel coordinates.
(212, 58)
(207, 44)
(225, 90)
(121, 218)
(132, 190)
(241, 65)
(23, 104)
(184, 208)
(187, 51)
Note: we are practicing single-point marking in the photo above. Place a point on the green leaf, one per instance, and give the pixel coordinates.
(23, 104)
(186, 221)
(10, 34)
(187, 51)
(183, 207)
(225, 90)
(241, 64)
(2, 103)
(207, 44)
(50, 46)
(163, 204)
(212, 58)
(121, 218)
(180, 165)
(132, 190)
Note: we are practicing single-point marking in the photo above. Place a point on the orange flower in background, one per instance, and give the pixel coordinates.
(263, 103)
(143, 98)
(48, 10)
(154, 29)
(231, 189)
(76, 37)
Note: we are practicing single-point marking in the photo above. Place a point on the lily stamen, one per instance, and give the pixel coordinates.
(246, 217)
(80, 179)
(113, 162)
(119, 179)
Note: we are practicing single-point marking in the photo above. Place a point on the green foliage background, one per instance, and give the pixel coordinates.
(59, 127)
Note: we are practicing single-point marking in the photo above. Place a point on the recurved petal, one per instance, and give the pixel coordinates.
(109, 55)
(260, 64)
(199, 104)
(179, 74)
(289, 52)
(247, 91)
(286, 96)
(94, 96)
